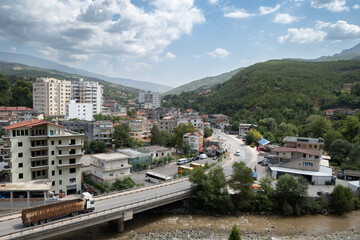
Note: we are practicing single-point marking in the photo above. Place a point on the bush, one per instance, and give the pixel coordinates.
(341, 199)
(96, 185)
(235, 233)
(123, 184)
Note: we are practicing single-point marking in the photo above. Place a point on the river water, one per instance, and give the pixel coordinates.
(285, 226)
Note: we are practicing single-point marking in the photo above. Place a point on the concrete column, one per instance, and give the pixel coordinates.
(44, 197)
(120, 225)
(28, 198)
(11, 198)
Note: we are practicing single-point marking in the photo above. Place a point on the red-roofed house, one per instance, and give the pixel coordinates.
(195, 140)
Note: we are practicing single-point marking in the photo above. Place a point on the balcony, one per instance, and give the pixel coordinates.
(39, 147)
(40, 157)
(69, 146)
(38, 137)
(40, 167)
(69, 155)
(7, 158)
(69, 165)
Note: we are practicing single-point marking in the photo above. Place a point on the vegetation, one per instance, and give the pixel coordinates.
(235, 233)
(95, 146)
(122, 184)
(341, 199)
(158, 137)
(15, 91)
(176, 139)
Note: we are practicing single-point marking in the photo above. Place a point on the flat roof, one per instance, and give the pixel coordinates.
(298, 150)
(36, 185)
(110, 156)
(323, 172)
(156, 148)
(132, 153)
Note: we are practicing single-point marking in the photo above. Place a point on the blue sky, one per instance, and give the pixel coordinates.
(173, 42)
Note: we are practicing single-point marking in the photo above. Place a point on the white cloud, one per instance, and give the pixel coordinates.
(13, 49)
(238, 13)
(77, 29)
(213, 2)
(284, 18)
(320, 25)
(170, 55)
(138, 67)
(267, 10)
(219, 53)
(331, 5)
(356, 6)
(341, 30)
(302, 35)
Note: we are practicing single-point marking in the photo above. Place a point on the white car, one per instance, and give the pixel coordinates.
(203, 156)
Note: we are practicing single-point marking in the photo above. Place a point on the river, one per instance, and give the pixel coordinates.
(144, 224)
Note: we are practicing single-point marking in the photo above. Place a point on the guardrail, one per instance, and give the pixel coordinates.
(42, 229)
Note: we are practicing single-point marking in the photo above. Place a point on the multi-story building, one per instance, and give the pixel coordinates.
(50, 96)
(107, 167)
(167, 124)
(195, 141)
(81, 111)
(109, 106)
(88, 92)
(150, 97)
(244, 128)
(38, 149)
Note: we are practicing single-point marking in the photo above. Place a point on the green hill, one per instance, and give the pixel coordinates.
(114, 91)
(203, 83)
(288, 91)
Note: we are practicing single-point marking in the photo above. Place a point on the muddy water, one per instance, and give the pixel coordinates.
(285, 226)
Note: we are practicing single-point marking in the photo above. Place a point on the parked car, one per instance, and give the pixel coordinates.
(260, 162)
(264, 164)
(320, 193)
(195, 158)
(203, 156)
(341, 175)
(182, 161)
(215, 157)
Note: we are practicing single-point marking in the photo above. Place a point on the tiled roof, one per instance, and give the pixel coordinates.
(194, 133)
(30, 123)
(298, 150)
(15, 109)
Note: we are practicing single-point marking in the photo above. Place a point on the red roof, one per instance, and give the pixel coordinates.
(15, 109)
(30, 123)
(194, 133)
(298, 150)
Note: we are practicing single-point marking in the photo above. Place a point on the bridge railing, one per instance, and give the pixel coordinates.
(36, 230)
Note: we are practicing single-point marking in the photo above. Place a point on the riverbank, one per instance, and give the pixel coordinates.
(210, 234)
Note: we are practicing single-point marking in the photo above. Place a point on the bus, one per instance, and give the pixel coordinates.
(156, 177)
(196, 165)
(184, 169)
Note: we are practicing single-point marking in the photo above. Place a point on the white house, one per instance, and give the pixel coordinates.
(107, 167)
(81, 111)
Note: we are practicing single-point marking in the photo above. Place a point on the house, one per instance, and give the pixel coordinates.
(211, 150)
(156, 151)
(245, 127)
(168, 124)
(195, 140)
(301, 156)
(138, 160)
(107, 167)
(219, 121)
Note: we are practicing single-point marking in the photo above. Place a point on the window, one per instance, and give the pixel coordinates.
(53, 183)
(72, 170)
(20, 165)
(20, 144)
(72, 161)
(60, 152)
(72, 180)
(59, 142)
(21, 176)
(52, 162)
(52, 142)
(53, 173)
(52, 152)
(60, 172)
(60, 161)
(20, 155)
(60, 182)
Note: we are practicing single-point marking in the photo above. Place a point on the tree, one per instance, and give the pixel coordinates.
(87, 146)
(355, 89)
(209, 192)
(122, 184)
(131, 113)
(241, 182)
(207, 132)
(5, 94)
(291, 193)
(252, 136)
(99, 117)
(22, 94)
(317, 126)
(235, 126)
(156, 136)
(121, 135)
(341, 198)
(235, 233)
(264, 197)
(330, 137)
(355, 153)
(351, 128)
(179, 132)
(339, 150)
(98, 146)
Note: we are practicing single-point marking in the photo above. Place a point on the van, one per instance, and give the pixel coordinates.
(181, 161)
(203, 156)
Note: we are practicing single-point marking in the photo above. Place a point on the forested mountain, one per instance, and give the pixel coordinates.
(45, 64)
(14, 72)
(288, 91)
(203, 83)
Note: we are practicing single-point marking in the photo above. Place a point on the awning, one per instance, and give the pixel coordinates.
(263, 141)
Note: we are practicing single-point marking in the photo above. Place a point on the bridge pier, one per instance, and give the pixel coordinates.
(120, 225)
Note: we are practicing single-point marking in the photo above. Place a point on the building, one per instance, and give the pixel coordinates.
(139, 130)
(138, 160)
(39, 149)
(168, 124)
(219, 121)
(301, 156)
(109, 106)
(80, 111)
(150, 97)
(88, 92)
(107, 167)
(50, 96)
(245, 127)
(156, 151)
(10, 115)
(195, 141)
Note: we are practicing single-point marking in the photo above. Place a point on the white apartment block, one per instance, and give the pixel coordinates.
(50, 96)
(39, 149)
(88, 92)
(81, 111)
(150, 97)
(107, 167)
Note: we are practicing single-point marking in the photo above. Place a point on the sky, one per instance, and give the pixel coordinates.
(173, 42)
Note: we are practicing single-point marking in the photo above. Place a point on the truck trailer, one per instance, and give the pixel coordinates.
(43, 214)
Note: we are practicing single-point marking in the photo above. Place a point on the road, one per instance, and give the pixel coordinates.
(247, 155)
